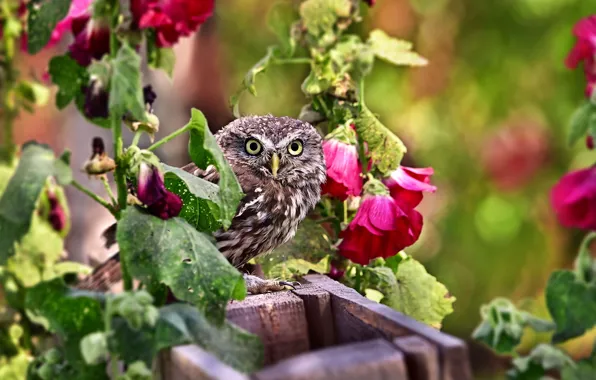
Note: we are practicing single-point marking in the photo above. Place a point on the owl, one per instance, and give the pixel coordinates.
(280, 166)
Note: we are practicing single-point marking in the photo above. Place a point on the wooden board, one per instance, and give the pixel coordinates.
(358, 318)
(279, 319)
(370, 360)
(193, 363)
(422, 358)
(319, 317)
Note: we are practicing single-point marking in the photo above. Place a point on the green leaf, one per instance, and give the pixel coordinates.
(351, 54)
(503, 325)
(162, 59)
(30, 93)
(570, 302)
(200, 198)
(42, 19)
(69, 76)
(319, 16)
(94, 348)
(126, 90)
(175, 253)
(297, 267)
(205, 151)
(392, 50)
(280, 20)
(180, 324)
(417, 294)
(260, 67)
(69, 314)
(20, 198)
(385, 148)
(583, 370)
(541, 359)
(580, 122)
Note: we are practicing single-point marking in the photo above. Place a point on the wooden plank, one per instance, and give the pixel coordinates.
(421, 356)
(278, 319)
(370, 360)
(357, 318)
(193, 363)
(317, 302)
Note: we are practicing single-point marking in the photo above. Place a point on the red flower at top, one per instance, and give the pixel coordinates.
(407, 184)
(171, 19)
(381, 227)
(584, 50)
(574, 199)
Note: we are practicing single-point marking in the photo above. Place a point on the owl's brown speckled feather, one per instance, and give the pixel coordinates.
(274, 203)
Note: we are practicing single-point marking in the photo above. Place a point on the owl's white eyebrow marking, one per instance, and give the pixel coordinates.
(283, 143)
(267, 143)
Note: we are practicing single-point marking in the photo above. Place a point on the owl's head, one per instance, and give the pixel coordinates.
(280, 149)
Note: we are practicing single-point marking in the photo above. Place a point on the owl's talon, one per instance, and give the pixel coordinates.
(292, 284)
(256, 285)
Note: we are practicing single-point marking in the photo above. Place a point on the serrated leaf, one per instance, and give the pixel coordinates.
(69, 76)
(297, 267)
(126, 90)
(162, 59)
(392, 50)
(541, 359)
(580, 122)
(200, 198)
(570, 302)
(503, 325)
(417, 293)
(69, 314)
(351, 54)
(385, 148)
(205, 151)
(20, 198)
(174, 253)
(180, 324)
(319, 16)
(41, 21)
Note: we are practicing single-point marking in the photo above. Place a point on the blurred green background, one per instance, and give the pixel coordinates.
(489, 114)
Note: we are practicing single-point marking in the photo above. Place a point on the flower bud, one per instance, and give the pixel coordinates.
(99, 163)
(152, 192)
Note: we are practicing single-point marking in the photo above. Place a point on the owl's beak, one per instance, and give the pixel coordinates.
(274, 164)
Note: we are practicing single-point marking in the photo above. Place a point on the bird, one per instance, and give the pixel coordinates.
(280, 166)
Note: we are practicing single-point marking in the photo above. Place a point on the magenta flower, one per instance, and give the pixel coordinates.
(381, 227)
(92, 40)
(343, 165)
(584, 50)
(152, 192)
(57, 215)
(407, 184)
(574, 199)
(171, 19)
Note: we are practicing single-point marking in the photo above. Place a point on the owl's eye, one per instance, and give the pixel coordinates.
(295, 148)
(253, 147)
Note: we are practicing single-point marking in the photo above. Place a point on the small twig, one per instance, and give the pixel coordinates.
(94, 196)
(136, 138)
(106, 184)
(169, 137)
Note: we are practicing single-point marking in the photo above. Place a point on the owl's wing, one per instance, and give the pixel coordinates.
(210, 174)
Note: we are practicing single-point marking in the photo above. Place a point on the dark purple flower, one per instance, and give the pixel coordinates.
(152, 192)
(336, 271)
(92, 40)
(96, 100)
(590, 142)
(149, 95)
(57, 215)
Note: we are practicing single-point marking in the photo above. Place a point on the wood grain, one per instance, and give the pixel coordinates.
(193, 363)
(278, 319)
(357, 318)
(321, 327)
(370, 360)
(422, 358)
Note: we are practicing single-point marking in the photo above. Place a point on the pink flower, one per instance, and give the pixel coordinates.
(343, 169)
(407, 184)
(78, 8)
(584, 50)
(152, 192)
(381, 228)
(171, 19)
(574, 199)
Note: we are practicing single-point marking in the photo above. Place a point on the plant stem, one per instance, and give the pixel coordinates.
(8, 77)
(361, 93)
(94, 196)
(136, 138)
(169, 137)
(106, 184)
(116, 124)
(346, 212)
(293, 61)
(108, 331)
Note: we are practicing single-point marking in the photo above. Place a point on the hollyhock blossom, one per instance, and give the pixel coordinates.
(152, 192)
(92, 40)
(407, 184)
(574, 199)
(57, 215)
(78, 8)
(381, 227)
(343, 165)
(584, 50)
(171, 19)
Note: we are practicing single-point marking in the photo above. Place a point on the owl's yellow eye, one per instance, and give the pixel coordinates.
(253, 147)
(295, 148)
